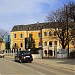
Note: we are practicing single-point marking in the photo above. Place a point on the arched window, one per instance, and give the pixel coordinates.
(50, 43)
(45, 43)
(14, 35)
(15, 45)
(21, 35)
(21, 45)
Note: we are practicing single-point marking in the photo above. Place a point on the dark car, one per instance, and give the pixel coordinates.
(23, 56)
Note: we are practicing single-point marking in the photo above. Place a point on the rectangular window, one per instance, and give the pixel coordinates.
(50, 34)
(21, 45)
(72, 42)
(39, 44)
(14, 35)
(39, 35)
(55, 33)
(55, 42)
(45, 33)
(45, 43)
(15, 45)
(30, 35)
(21, 35)
(50, 43)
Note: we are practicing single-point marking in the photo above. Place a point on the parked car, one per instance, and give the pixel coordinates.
(23, 56)
(2, 54)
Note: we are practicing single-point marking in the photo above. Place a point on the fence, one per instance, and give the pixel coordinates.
(11, 52)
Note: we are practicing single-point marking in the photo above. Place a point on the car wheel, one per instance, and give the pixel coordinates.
(30, 61)
(20, 60)
(3, 56)
(15, 59)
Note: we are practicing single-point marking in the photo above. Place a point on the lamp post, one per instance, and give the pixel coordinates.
(41, 42)
(55, 52)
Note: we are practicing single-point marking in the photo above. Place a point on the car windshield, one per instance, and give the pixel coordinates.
(24, 52)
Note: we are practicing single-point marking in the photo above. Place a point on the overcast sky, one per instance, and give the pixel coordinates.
(16, 12)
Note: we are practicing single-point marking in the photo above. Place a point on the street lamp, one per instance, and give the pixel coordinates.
(41, 42)
(55, 51)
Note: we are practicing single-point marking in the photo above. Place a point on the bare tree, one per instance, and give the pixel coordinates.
(2, 35)
(65, 21)
(71, 13)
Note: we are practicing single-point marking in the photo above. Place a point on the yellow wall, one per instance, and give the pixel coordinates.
(2, 46)
(19, 40)
(35, 36)
(47, 38)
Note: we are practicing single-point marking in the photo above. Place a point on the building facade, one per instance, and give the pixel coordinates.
(43, 33)
(7, 41)
(2, 44)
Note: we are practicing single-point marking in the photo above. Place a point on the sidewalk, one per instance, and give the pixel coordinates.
(62, 63)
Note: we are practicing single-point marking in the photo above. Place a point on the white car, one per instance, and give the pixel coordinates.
(2, 55)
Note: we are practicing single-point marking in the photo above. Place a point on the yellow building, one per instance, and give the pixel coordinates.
(50, 40)
(2, 44)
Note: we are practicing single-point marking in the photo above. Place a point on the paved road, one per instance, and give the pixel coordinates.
(9, 67)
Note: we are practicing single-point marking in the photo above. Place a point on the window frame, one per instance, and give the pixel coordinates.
(55, 43)
(21, 35)
(45, 43)
(14, 35)
(15, 44)
(39, 34)
(50, 33)
(72, 42)
(21, 44)
(39, 44)
(45, 33)
(55, 33)
(49, 43)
